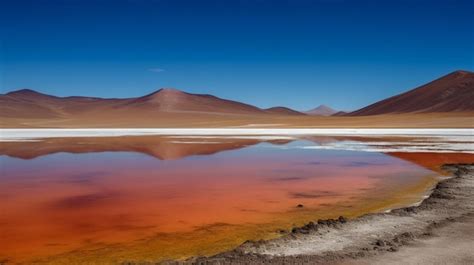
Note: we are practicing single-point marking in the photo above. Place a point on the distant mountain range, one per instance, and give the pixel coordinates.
(29, 103)
(283, 111)
(451, 93)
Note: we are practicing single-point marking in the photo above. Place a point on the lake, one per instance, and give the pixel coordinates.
(156, 197)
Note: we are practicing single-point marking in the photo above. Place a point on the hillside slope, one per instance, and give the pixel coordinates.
(451, 93)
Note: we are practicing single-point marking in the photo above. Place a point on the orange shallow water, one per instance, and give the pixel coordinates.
(115, 206)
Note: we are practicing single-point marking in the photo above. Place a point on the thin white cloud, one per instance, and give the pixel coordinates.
(156, 70)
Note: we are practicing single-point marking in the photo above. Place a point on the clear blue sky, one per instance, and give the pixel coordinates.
(299, 54)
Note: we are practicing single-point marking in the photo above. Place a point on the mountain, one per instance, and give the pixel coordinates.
(451, 93)
(322, 110)
(340, 113)
(283, 111)
(173, 100)
(27, 103)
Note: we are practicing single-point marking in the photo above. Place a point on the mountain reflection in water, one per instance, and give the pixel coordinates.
(155, 198)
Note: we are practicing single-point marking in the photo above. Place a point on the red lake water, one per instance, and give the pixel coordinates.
(151, 199)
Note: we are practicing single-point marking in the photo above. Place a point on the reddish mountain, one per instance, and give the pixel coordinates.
(173, 100)
(451, 93)
(27, 103)
(322, 110)
(340, 113)
(283, 111)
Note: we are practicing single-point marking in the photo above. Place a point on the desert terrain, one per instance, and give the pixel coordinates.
(444, 103)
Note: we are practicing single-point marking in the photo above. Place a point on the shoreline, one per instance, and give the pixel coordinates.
(372, 238)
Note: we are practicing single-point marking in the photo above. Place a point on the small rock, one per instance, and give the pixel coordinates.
(310, 226)
(304, 231)
(321, 222)
(299, 206)
(380, 243)
(392, 249)
(342, 219)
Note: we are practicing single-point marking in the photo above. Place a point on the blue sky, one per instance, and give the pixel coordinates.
(345, 54)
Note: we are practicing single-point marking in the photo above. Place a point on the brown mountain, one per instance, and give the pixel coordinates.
(27, 103)
(446, 102)
(340, 113)
(321, 110)
(173, 100)
(283, 111)
(451, 93)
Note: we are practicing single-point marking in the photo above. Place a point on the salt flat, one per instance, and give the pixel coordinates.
(426, 140)
(108, 132)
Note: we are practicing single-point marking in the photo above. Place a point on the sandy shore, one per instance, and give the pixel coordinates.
(438, 231)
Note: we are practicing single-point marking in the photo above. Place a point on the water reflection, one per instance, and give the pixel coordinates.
(112, 196)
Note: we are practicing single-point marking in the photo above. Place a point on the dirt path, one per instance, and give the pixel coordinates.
(438, 231)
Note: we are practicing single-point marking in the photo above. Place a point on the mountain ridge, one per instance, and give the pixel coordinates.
(283, 111)
(453, 92)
